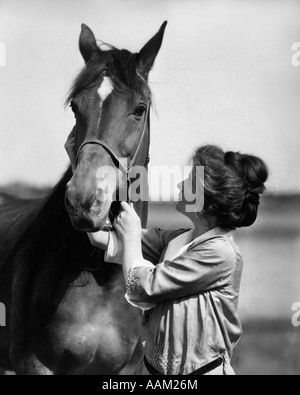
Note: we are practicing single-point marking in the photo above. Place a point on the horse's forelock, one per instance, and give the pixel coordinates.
(122, 69)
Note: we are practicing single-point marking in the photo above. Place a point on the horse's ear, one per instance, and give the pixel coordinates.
(87, 43)
(147, 55)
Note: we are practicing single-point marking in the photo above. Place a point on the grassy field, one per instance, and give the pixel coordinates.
(268, 348)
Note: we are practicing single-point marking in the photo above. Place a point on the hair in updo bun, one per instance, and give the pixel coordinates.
(233, 183)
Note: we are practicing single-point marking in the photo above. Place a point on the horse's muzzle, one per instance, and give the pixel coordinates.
(89, 215)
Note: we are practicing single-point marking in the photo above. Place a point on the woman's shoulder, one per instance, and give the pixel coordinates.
(218, 247)
(169, 235)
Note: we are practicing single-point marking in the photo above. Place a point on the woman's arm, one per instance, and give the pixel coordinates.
(99, 239)
(154, 241)
(110, 243)
(129, 230)
(204, 268)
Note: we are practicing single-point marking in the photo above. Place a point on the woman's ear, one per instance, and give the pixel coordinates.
(87, 43)
(148, 53)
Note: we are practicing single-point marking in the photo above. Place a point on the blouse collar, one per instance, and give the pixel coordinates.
(215, 232)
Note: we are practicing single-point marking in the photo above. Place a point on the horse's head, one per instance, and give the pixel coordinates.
(110, 99)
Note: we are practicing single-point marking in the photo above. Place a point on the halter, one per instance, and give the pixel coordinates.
(115, 158)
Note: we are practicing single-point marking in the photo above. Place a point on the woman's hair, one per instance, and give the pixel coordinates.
(233, 183)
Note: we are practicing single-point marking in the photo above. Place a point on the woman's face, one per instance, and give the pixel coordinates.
(191, 194)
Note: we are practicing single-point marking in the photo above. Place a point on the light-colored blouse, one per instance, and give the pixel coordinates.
(189, 293)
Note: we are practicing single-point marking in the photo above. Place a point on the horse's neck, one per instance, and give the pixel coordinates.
(51, 244)
(52, 228)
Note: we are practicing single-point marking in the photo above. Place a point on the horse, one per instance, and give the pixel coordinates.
(65, 306)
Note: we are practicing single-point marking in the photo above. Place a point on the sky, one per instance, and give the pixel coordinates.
(224, 76)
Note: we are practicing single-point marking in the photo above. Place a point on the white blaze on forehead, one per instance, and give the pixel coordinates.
(105, 89)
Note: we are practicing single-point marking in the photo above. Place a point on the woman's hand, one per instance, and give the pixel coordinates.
(99, 239)
(128, 224)
(129, 229)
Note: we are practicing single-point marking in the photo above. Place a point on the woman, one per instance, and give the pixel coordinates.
(187, 282)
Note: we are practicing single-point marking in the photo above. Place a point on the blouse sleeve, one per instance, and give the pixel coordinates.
(154, 241)
(206, 267)
(113, 253)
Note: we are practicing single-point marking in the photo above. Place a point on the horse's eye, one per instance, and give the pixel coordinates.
(140, 111)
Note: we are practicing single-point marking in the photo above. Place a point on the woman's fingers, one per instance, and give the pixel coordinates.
(125, 206)
(117, 227)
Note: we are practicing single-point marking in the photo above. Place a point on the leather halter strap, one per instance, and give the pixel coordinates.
(106, 147)
(114, 157)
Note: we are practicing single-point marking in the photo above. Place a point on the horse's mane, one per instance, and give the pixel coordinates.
(121, 67)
